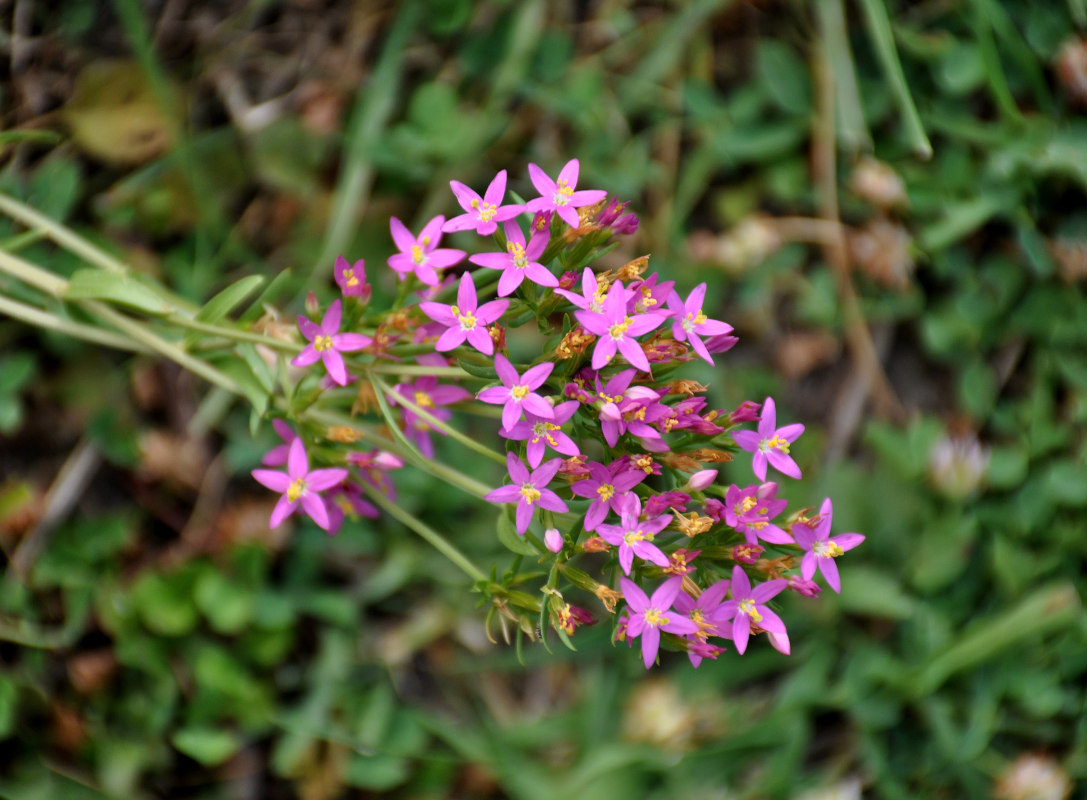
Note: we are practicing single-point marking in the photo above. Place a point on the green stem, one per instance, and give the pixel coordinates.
(43, 319)
(231, 333)
(436, 423)
(432, 537)
(418, 369)
(35, 276)
(435, 468)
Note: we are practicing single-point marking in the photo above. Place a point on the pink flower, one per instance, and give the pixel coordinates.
(634, 537)
(559, 196)
(519, 260)
(822, 548)
(553, 540)
(592, 295)
(689, 322)
(541, 433)
(352, 279)
(750, 510)
(770, 444)
(326, 343)
(482, 213)
(606, 488)
(617, 330)
(748, 607)
(467, 319)
(528, 490)
(299, 485)
(345, 500)
(648, 616)
(421, 254)
(516, 392)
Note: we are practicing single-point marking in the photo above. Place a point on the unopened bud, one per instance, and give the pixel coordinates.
(700, 480)
(553, 540)
(312, 306)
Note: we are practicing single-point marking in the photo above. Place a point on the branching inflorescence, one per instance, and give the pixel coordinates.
(606, 449)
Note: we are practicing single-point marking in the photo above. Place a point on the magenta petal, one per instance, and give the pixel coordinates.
(523, 516)
(534, 376)
(604, 352)
(315, 507)
(509, 281)
(552, 502)
(337, 370)
(453, 337)
(439, 312)
(543, 184)
(741, 629)
(569, 216)
(350, 342)
(497, 189)
(830, 572)
(321, 479)
(481, 340)
(586, 197)
(847, 541)
(540, 275)
(626, 558)
(516, 469)
(297, 463)
(494, 395)
(747, 440)
(309, 355)
(507, 373)
(431, 234)
(790, 433)
(504, 494)
(651, 638)
(331, 322)
(535, 404)
(768, 590)
(783, 464)
(402, 237)
(272, 479)
(568, 174)
(758, 465)
(466, 294)
(284, 508)
(637, 599)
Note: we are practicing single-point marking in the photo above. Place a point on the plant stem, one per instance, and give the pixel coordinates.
(432, 537)
(44, 319)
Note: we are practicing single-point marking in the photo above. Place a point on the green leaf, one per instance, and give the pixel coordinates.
(9, 696)
(128, 290)
(784, 75)
(164, 604)
(229, 298)
(209, 746)
(874, 593)
(507, 535)
(227, 606)
(1065, 484)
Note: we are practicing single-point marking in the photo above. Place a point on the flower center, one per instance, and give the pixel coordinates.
(486, 210)
(562, 193)
(322, 343)
(774, 443)
(517, 253)
(296, 489)
(654, 617)
(745, 505)
(417, 254)
(519, 392)
(424, 400)
(617, 330)
(350, 279)
(633, 537)
(747, 606)
(467, 321)
(827, 549)
(691, 320)
(530, 493)
(605, 491)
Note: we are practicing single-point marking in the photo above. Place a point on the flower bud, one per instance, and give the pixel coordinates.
(747, 553)
(313, 308)
(553, 540)
(700, 480)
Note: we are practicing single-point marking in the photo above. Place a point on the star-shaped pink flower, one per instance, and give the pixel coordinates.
(326, 343)
(748, 607)
(770, 444)
(467, 320)
(519, 260)
(528, 490)
(560, 196)
(421, 254)
(482, 213)
(299, 486)
(822, 547)
(516, 391)
(617, 330)
(689, 322)
(648, 616)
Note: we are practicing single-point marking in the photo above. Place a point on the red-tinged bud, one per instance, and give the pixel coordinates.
(594, 544)
(567, 617)
(680, 562)
(313, 308)
(568, 280)
(748, 411)
(573, 469)
(802, 587)
(498, 336)
(700, 480)
(715, 509)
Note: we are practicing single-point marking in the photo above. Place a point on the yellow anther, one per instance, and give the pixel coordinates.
(530, 493)
(296, 489)
(322, 343)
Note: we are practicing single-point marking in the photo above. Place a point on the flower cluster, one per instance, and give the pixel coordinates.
(603, 456)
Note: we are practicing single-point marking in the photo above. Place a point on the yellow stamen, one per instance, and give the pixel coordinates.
(424, 400)
(322, 343)
(530, 493)
(520, 392)
(296, 489)
(605, 491)
(654, 617)
(748, 607)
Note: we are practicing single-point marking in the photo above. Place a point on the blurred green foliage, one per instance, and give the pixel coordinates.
(163, 643)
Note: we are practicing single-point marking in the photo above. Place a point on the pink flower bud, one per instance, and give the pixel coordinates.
(553, 540)
(700, 480)
(312, 306)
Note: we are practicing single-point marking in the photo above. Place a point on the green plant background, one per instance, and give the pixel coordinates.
(160, 642)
